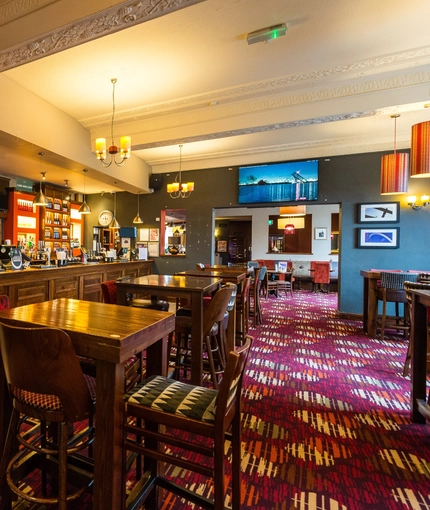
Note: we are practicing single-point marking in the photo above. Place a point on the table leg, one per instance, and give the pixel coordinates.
(108, 457)
(418, 358)
(372, 307)
(196, 338)
(365, 303)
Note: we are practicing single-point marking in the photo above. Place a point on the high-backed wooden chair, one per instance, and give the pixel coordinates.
(408, 287)
(214, 350)
(392, 290)
(45, 383)
(285, 282)
(242, 311)
(321, 275)
(177, 414)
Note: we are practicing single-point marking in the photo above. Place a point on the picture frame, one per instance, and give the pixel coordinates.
(374, 237)
(320, 233)
(153, 250)
(383, 212)
(154, 234)
(144, 234)
(222, 246)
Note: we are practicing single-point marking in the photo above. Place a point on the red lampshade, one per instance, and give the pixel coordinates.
(420, 150)
(289, 229)
(394, 173)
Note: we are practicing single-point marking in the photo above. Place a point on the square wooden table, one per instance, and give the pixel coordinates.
(189, 287)
(110, 334)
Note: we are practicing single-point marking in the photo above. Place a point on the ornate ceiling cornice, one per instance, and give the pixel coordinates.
(112, 20)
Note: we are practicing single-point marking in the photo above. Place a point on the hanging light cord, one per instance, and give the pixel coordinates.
(114, 80)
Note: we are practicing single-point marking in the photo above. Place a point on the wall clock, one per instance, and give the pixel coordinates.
(105, 218)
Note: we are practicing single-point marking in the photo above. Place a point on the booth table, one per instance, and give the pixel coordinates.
(110, 334)
(188, 287)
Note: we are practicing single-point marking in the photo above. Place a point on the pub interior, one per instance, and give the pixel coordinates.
(196, 111)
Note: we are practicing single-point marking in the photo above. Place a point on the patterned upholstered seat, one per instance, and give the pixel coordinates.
(178, 414)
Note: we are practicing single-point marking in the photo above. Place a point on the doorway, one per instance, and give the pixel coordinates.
(233, 240)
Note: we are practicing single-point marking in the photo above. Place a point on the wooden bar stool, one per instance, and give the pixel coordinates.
(178, 415)
(46, 384)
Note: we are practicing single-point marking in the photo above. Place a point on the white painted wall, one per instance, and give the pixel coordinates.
(321, 217)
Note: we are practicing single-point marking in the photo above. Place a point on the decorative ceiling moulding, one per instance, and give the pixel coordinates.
(202, 112)
(100, 24)
(11, 10)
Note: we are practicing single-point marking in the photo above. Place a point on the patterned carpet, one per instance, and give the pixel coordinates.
(326, 417)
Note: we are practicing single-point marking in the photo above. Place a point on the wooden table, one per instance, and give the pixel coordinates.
(419, 325)
(192, 288)
(237, 277)
(110, 334)
(370, 300)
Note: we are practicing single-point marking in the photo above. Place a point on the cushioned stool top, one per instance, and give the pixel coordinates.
(175, 397)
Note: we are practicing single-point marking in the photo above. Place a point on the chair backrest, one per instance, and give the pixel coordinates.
(109, 291)
(263, 271)
(216, 309)
(245, 292)
(232, 300)
(322, 272)
(4, 302)
(394, 280)
(230, 388)
(43, 360)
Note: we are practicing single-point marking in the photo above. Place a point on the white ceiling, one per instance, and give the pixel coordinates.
(328, 87)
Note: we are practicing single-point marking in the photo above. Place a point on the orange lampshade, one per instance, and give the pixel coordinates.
(293, 210)
(294, 222)
(420, 150)
(394, 173)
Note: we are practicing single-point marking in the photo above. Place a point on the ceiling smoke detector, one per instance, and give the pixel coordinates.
(267, 34)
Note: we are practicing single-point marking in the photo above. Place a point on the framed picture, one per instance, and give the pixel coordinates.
(153, 249)
(385, 212)
(320, 233)
(144, 234)
(222, 246)
(154, 234)
(378, 237)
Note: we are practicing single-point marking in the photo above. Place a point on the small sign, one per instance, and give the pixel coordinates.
(24, 184)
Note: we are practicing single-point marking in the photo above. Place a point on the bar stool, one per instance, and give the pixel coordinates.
(46, 384)
(392, 290)
(178, 415)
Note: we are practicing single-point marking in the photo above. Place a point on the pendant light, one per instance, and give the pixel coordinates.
(394, 169)
(137, 218)
(179, 189)
(40, 199)
(85, 208)
(420, 150)
(114, 224)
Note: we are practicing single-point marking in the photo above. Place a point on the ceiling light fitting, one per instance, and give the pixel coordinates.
(267, 34)
(179, 189)
(137, 218)
(124, 143)
(296, 222)
(40, 199)
(85, 208)
(412, 202)
(293, 210)
(420, 150)
(394, 169)
(114, 223)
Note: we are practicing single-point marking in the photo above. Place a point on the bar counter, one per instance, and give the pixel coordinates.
(77, 281)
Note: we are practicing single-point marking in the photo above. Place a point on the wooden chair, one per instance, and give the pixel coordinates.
(321, 275)
(214, 351)
(242, 312)
(392, 290)
(285, 282)
(209, 413)
(408, 287)
(255, 293)
(45, 383)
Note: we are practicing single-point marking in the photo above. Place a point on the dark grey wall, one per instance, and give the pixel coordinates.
(347, 180)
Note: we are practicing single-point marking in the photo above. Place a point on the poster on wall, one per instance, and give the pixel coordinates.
(154, 235)
(222, 246)
(144, 234)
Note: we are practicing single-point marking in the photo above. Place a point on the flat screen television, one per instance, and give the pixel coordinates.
(290, 181)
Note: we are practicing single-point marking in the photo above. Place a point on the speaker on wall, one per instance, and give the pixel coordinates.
(155, 181)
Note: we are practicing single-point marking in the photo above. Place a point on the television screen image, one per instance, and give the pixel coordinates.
(291, 181)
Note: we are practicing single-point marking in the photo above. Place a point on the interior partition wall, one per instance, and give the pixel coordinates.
(346, 180)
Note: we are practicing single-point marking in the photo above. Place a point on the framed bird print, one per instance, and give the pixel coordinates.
(385, 212)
